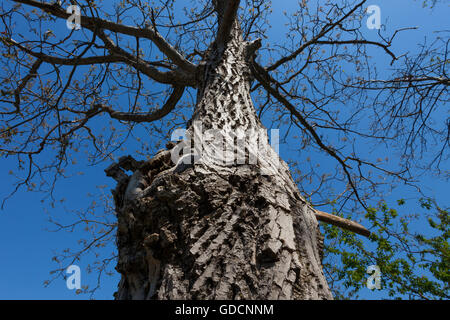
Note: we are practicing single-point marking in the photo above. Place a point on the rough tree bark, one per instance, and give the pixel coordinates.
(217, 229)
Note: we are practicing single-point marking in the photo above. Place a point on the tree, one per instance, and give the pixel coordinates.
(412, 263)
(202, 227)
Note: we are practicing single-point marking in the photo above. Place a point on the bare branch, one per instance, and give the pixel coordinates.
(143, 117)
(327, 28)
(92, 23)
(265, 79)
(342, 223)
(358, 41)
(66, 61)
(223, 33)
(169, 77)
(32, 74)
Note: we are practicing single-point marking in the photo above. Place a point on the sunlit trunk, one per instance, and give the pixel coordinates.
(232, 228)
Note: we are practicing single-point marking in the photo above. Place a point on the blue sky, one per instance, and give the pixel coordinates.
(26, 246)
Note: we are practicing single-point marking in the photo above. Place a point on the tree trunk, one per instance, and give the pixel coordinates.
(218, 229)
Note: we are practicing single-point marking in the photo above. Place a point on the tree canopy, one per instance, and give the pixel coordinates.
(361, 113)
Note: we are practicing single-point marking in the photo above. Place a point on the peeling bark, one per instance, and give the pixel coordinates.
(213, 229)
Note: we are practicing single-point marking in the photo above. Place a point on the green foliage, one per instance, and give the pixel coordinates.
(414, 265)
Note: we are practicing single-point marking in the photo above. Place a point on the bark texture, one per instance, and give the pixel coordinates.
(217, 229)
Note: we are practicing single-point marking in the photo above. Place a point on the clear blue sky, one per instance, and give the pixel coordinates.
(26, 247)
